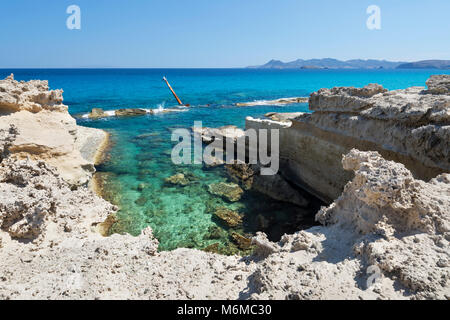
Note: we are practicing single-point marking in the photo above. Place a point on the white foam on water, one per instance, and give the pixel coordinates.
(159, 109)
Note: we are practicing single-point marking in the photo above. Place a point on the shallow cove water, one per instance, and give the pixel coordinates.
(138, 160)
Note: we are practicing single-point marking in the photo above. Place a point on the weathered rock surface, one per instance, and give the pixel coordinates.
(408, 126)
(439, 84)
(386, 224)
(46, 131)
(385, 221)
(33, 96)
(283, 116)
(34, 198)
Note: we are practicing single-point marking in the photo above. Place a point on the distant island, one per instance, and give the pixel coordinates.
(329, 63)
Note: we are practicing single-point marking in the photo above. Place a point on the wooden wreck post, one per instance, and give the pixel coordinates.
(173, 92)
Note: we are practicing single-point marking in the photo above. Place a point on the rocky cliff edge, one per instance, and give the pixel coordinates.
(47, 131)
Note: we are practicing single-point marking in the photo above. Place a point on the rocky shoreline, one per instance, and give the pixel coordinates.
(384, 235)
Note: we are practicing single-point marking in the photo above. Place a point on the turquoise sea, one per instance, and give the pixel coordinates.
(139, 158)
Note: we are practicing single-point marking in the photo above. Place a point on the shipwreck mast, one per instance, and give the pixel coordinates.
(173, 92)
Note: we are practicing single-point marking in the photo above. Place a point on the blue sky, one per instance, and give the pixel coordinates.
(218, 33)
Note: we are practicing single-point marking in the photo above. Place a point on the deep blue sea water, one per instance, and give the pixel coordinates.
(139, 158)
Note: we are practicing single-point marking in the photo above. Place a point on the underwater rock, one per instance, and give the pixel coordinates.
(141, 201)
(146, 135)
(177, 179)
(214, 233)
(142, 186)
(230, 217)
(97, 113)
(230, 191)
(242, 242)
(241, 172)
(212, 248)
(230, 249)
(130, 112)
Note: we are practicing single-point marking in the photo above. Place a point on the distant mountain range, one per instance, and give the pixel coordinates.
(329, 63)
(426, 64)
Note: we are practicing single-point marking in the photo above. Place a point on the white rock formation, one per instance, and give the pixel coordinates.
(47, 131)
(387, 236)
(409, 126)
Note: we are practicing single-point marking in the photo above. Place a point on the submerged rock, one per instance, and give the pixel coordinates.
(230, 217)
(142, 200)
(177, 179)
(230, 191)
(142, 186)
(214, 233)
(213, 248)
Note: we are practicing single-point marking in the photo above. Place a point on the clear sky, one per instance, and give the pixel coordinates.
(218, 33)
